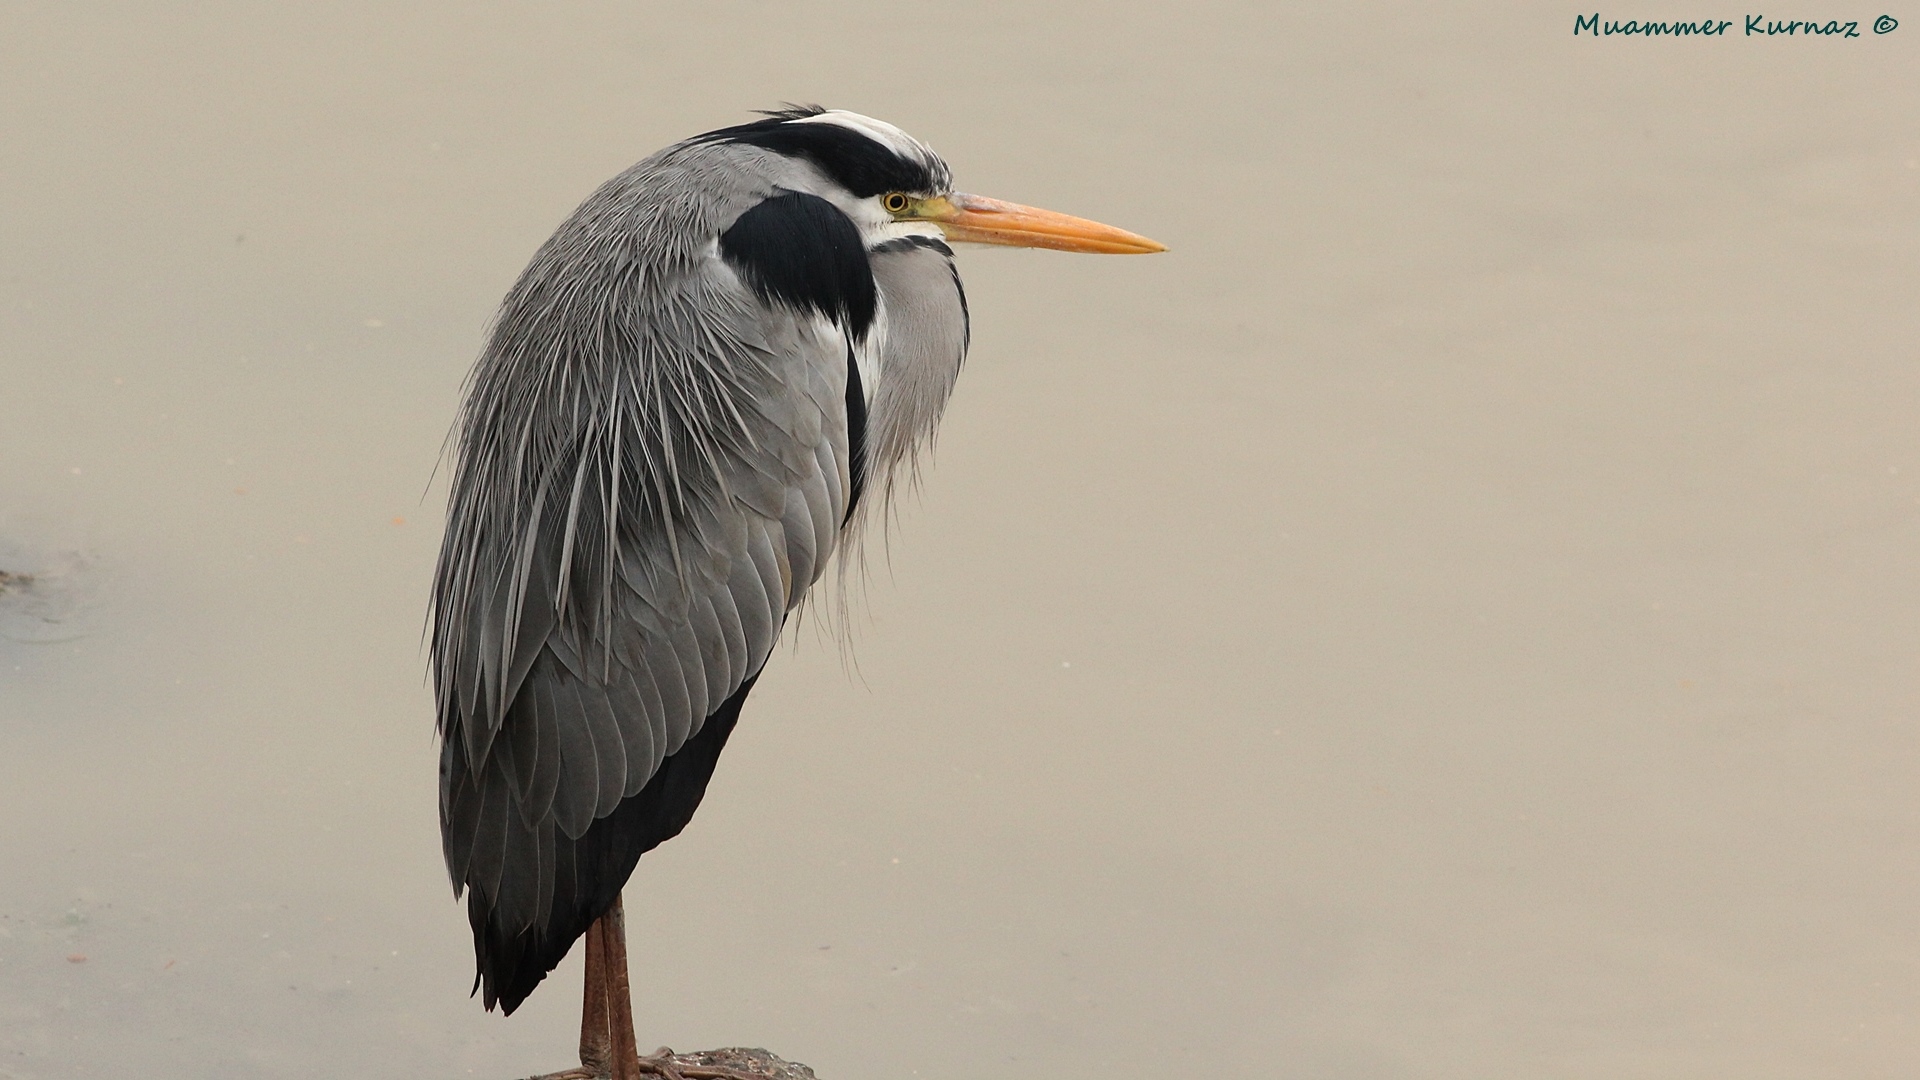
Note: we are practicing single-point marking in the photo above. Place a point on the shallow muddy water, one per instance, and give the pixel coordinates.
(1455, 615)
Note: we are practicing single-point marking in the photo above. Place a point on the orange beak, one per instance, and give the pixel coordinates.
(976, 219)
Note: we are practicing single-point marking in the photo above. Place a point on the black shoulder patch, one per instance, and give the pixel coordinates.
(856, 162)
(800, 250)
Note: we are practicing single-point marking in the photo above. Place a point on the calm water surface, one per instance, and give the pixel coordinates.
(1454, 616)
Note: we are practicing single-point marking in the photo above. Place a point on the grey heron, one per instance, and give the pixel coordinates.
(686, 402)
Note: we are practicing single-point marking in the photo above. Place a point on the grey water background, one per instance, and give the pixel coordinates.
(1455, 615)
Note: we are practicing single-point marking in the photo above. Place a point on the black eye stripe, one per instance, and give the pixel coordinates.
(859, 164)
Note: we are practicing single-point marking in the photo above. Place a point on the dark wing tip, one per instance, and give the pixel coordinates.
(514, 955)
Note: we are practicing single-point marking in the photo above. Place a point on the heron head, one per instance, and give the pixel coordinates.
(894, 184)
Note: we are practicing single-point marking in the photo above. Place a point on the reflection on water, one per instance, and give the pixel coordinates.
(1454, 615)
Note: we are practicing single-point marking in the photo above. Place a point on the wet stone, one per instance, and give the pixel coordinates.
(738, 1060)
(743, 1059)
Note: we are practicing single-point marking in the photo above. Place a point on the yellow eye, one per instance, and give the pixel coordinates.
(895, 202)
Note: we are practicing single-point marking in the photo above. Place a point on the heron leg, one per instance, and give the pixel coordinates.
(596, 1038)
(608, 1050)
(600, 1016)
(619, 1000)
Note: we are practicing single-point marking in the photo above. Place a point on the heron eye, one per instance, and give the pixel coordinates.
(895, 202)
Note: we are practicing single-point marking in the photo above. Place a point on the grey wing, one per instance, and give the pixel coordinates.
(611, 578)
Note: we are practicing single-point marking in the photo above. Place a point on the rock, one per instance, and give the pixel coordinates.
(731, 1063)
(742, 1059)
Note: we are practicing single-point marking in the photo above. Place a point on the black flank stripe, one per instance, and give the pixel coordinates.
(801, 251)
(966, 315)
(856, 436)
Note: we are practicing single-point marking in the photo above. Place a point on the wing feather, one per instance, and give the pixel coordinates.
(519, 885)
(754, 603)
(624, 699)
(655, 702)
(490, 831)
(459, 808)
(662, 663)
(578, 791)
(732, 653)
(546, 850)
(545, 786)
(829, 514)
(655, 705)
(805, 556)
(685, 641)
(609, 746)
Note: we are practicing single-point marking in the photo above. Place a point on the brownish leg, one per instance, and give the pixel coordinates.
(596, 1033)
(596, 1041)
(608, 1050)
(619, 1006)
